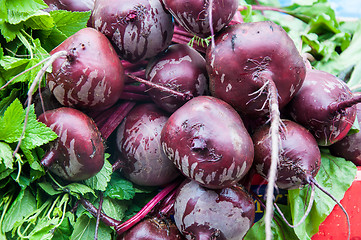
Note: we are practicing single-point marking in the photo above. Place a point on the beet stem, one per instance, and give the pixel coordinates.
(345, 104)
(275, 142)
(37, 79)
(308, 210)
(111, 222)
(120, 229)
(184, 96)
(98, 216)
(312, 180)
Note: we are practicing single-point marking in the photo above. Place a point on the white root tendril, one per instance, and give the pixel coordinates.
(275, 142)
(49, 61)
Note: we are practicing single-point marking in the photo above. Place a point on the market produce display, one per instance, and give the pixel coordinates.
(150, 119)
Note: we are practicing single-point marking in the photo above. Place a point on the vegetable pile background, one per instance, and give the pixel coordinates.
(37, 204)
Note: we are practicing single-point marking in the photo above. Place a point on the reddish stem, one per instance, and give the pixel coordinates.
(135, 97)
(120, 229)
(49, 158)
(141, 88)
(94, 211)
(98, 217)
(115, 119)
(184, 96)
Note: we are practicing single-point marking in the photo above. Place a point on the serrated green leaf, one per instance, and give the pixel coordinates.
(119, 188)
(37, 133)
(9, 31)
(36, 19)
(84, 229)
(336, 176)
(101, 179)
(5, 172)
(77, 189)
(25, 6)
(6, 155)
(23, 205)
(70, 22)
(115, 208)
(11, 123)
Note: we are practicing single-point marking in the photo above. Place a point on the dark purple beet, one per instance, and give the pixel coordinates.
(205, 214)
(207, 141)
(194, 15)
(153, 229)
(350, 146)
(180, 68)
(138, 140)
(70, 5)
(299, 157)
(316, 107)
(91, 76)
(138, 29)
(78, 152)
(248, 55)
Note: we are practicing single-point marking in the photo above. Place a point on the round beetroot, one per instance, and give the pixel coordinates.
(202, 213)
(245, 58)
(349, 147)
(299, 157)
(153, 229)
(70, 5)
(78, 153)
(207, 141)
(138, 29)
(91, 76)
(138, 140)
(180, 68)
(195, 15)
(315, 107)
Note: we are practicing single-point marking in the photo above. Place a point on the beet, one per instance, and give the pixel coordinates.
(195, 15)
(317, 106)
(153, 229)
(90, 76)
(78, 153)
(138, 139)
(180, 68)
(70, 5)
(349, 147)
(207, 141)
(245, 57)
(201, 213)
(138, 29)
(297, 161)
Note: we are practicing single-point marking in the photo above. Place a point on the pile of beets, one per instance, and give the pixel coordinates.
(197, 121)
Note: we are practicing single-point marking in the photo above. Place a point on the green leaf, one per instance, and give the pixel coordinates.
(101, 179)
(336, 176)
(6, 101)
(25, 6)
(84, 229)
(64, 231)
(6, 155)
(280, 231)
(23, 205)
(36, 19)
(119, 188)
(9, 31)
(115, 208)
(70, 22)
(37, 133)
(5, 172)
(78, 188)
(49, 189)
(11, 123)
(3, 11)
